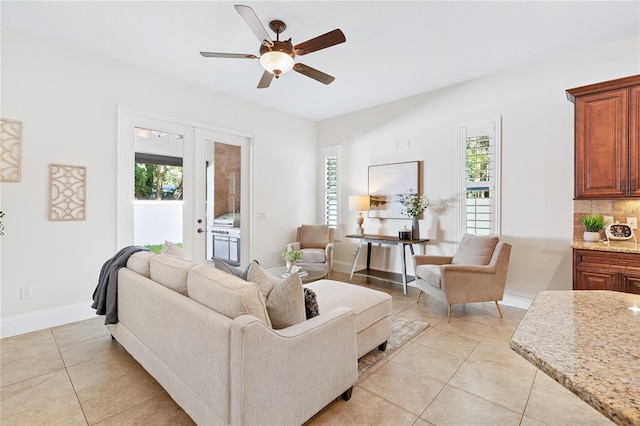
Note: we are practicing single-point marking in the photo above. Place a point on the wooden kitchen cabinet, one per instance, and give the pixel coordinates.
(607, 139)
(603, 270)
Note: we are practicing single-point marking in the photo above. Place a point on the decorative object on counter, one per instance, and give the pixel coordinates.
(359, 203)
(594, 223)
(405, 234)
(619, 231)
(67, 191)
(413, 206)
(291, 257)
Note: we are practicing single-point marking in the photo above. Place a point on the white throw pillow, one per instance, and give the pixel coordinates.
(265, 281)
(174, 250)
(285, 298)
(286, 303)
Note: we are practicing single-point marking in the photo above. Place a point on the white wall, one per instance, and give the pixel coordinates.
(67, 99)
(157, 221)
(537, 159)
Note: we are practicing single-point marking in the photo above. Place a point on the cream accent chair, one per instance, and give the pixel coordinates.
(316, 243)
(476, 273)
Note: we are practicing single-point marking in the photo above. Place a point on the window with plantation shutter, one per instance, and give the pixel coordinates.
(331, 185)
(480, 177)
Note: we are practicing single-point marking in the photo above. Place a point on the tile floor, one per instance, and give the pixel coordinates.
(458, 373)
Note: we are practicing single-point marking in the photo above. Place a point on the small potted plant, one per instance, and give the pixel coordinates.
(291, 257)
(594, 223)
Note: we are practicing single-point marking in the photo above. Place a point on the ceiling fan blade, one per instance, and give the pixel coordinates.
(313, 73)
(228, 55)
(254, 24)
(321, 42)
(265, 81)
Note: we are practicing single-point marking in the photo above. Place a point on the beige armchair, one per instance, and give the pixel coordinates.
(476, 273)
(316, 243)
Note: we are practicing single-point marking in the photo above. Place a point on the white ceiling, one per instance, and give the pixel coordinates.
(394, 49)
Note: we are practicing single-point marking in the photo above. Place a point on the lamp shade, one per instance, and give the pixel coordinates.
(358, 203)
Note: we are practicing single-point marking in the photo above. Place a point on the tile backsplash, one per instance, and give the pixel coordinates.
(619, 209)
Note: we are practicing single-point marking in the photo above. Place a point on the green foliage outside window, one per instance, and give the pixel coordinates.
(478, 167)
(478, 159)
(150, 177)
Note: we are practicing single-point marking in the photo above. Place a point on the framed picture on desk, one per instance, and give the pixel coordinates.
(387, 183)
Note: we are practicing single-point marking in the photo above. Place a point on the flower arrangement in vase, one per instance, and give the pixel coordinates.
(291, 256)
(413, 206)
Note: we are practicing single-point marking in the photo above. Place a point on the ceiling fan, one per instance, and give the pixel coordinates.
(277, 57)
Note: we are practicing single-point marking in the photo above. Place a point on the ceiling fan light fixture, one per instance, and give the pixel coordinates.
(277, 62)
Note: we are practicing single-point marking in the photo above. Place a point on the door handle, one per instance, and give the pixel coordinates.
(200, 230)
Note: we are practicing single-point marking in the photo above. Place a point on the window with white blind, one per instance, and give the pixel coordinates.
(330, 157)
(479, 151)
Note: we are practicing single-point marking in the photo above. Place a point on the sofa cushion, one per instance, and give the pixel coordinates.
(285, 303)
(172, 249)
(313, 255)
(265, 281)
(369, 305)
(475, 250)
(139, 262)
(314, 236)
(170, 271)
(431, 274)
(226, 293)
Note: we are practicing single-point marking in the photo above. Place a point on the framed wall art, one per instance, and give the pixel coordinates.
(67, 192)
(387, 183)
(10, 150)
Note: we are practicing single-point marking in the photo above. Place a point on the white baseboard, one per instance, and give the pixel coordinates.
(32, 321)
(517, 300)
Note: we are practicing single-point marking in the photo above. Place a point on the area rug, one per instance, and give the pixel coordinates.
(402, 331)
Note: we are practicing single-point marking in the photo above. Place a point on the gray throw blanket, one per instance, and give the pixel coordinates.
(105, 296)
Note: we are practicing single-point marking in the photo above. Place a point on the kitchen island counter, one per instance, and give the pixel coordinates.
(588, 341)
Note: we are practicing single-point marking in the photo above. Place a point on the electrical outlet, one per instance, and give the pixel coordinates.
(632, 221)
(25, 293)
(608, 220)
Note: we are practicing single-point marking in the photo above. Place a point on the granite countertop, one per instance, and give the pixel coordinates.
(614, 246)
(588, 341)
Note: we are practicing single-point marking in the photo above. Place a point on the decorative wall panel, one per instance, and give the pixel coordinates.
(67, 192)
(10, 150)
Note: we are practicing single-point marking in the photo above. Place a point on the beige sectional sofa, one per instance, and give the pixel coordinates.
(207, 337)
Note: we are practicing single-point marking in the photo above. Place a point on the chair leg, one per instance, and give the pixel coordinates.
(449, 314)
(419, 294)
(499, 310)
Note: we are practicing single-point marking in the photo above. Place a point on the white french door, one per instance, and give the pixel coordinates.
(197, 207)
(236, 190)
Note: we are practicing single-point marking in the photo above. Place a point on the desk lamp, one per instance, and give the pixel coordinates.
(359, 203)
